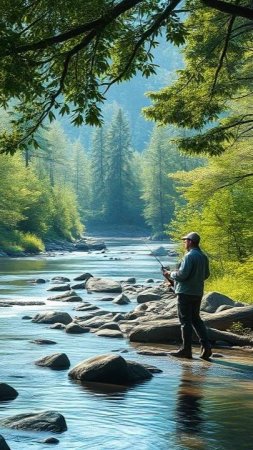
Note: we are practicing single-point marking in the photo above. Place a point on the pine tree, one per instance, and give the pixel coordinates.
(98, 175)
(81, 178)
(119, 181)
(159, 193)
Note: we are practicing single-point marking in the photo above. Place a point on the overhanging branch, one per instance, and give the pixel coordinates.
(229, 8)
(97, 24)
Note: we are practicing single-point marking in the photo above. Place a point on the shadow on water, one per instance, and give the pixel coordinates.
(241, 367)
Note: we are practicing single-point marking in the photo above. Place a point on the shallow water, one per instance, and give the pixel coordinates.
(190, 405)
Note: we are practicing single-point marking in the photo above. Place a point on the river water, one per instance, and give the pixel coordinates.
(189, 405)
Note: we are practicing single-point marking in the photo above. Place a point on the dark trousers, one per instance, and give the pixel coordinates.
(188, 314)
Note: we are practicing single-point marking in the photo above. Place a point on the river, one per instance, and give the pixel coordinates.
(189, 405)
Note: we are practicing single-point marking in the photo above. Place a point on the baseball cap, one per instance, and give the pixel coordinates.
(195, 237)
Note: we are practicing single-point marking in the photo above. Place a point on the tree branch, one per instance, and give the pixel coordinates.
(229, 8)
(97, 24)
(157, 23)
(223, 53)
(234, 181)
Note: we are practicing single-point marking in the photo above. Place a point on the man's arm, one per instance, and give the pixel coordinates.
(184, 271)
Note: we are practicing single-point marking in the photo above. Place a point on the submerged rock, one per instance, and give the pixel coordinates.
(3, 443)
(75, 328)
(57, 361)
(43, 421)
(83, 276)
(60, 288)
(43, 342)
(7, 392)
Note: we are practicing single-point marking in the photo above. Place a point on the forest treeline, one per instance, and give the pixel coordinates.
(62, 188)
(59, 189)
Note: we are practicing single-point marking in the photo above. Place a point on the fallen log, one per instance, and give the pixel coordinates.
(230, 338)
(169, 330)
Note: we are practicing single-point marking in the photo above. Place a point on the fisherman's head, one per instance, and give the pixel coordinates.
(191, 240)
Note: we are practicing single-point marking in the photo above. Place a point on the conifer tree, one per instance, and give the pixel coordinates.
(119, 180)
(98, 175)
(159, 193)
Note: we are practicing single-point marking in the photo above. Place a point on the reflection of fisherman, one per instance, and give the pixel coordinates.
(189, 287)
(189, 417)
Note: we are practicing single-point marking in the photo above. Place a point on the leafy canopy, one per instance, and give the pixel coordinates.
(64, 55)
(218, 56)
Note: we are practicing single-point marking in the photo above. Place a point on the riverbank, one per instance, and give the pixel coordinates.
(85, 244)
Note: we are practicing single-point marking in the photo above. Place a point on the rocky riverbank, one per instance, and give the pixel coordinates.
(85, 244)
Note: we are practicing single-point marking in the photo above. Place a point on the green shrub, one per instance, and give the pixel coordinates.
(31, 243)
(12, 249)
(15, 242)
(232, 279)
(238, 328)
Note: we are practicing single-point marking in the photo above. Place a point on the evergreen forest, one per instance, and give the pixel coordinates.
(131, 116)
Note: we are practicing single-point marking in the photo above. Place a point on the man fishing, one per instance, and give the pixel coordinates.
(189, 287)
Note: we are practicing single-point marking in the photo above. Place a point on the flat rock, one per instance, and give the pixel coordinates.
(103, 285)
(106, 332)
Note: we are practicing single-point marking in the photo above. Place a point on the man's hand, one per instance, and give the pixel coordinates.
(166, 273)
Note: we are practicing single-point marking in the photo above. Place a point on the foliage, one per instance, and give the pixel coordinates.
(219, 203)
(238, 328)
(65, 220)
(14, 242)
(29, 204)
(63, 56)
(232, 279)
(160, 160)
(31, 243)
(218, 71)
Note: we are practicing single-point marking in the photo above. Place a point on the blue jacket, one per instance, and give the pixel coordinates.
(192, 272)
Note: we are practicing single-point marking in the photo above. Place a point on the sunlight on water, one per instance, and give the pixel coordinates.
(190, 405)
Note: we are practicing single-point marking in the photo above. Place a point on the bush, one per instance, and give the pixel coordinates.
(15, 242)
(12, 249)
(238, 328)
(31, 243)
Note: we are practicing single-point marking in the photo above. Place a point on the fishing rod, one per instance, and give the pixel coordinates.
(157, 259)
(162, 266)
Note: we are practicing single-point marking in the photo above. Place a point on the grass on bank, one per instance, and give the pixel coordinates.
(15, 242)
(232, 279)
